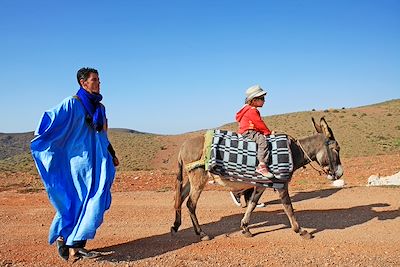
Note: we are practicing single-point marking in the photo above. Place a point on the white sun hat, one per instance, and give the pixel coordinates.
(254, 91)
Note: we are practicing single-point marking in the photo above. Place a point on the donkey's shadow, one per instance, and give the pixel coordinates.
(330, 219)
(320, 220)
(301, 196)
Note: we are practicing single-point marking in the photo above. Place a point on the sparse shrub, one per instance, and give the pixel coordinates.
(326, 110)
(354, 115)
(363, 114)
(335, 111)
(398, 127)
(343, 108)
(397, 143)
(389, 114)
(380, 137)
(164, 189)
(313, 109)
(341, 116)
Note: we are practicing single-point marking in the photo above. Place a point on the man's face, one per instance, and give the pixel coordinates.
(92, 84)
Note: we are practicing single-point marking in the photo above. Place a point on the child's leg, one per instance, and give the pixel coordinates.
(262, 150)
(261, 146)
(262, 155)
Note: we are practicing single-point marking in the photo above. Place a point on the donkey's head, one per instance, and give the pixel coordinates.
(328, 154)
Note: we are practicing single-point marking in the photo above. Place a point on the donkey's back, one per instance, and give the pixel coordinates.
(191, 150)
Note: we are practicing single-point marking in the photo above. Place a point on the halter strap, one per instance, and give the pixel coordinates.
(330, 157)
(329, 152)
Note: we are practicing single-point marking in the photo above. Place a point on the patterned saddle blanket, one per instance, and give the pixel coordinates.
(235, 158)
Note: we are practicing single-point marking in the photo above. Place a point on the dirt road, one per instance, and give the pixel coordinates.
(353, 226)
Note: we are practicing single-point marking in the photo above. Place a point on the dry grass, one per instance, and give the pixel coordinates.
(363, 131)
(135, 151)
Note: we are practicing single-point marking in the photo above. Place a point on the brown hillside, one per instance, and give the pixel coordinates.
(362, 132)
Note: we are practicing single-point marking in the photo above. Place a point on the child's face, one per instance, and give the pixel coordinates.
(258, 102)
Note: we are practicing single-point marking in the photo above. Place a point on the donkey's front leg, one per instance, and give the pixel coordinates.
(244, 224)
(287, 206)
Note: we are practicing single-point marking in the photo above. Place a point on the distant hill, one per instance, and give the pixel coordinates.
(361, 131)
(14, 152)
(14, 144)
(124, 130)
(366, 130)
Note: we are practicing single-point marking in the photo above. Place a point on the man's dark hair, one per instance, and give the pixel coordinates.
(84, 73)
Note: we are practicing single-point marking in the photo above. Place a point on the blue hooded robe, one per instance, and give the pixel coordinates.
(76, 168)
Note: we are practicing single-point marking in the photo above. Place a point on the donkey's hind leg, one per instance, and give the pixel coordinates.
(178, 207)
(288, 208)
(198, 180)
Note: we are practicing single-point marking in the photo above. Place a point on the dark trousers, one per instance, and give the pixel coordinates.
(79, 244)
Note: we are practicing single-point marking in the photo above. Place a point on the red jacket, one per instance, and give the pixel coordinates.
(249, 118)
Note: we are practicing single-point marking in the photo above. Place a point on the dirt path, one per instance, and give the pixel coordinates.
(353, 226)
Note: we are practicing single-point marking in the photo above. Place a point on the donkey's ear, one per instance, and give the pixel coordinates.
(326, 129)
(316, 126)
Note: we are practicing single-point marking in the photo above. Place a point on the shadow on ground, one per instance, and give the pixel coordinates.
(320, 220)
(301, 196)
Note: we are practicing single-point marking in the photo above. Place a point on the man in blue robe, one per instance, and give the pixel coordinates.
(77, 163)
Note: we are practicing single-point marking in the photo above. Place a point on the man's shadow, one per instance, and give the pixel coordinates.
(320, 220)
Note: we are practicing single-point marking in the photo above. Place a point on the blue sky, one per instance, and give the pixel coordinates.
(177, 66)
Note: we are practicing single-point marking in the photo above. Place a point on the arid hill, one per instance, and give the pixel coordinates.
(371, 130)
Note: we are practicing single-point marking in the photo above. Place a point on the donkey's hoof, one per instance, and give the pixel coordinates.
(205, 237)
(173, 231)
(247, 234)
(306, 235)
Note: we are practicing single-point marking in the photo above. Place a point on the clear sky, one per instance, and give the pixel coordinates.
(177, 66)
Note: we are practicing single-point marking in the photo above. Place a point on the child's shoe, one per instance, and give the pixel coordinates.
(263, 170)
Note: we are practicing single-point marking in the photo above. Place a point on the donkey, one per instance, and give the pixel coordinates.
(321, 148)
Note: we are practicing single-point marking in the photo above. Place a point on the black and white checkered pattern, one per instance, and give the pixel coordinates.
(235, 158)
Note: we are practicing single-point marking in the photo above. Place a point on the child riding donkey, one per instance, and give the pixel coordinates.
(252, 126)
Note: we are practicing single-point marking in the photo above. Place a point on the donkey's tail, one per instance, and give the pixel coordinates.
(178, 184)
(179, 198)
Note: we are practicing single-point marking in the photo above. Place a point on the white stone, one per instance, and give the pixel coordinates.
(375, 180)
(338, 183)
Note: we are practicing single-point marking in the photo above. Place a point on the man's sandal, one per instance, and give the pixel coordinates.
(62, 249)
(82, 253)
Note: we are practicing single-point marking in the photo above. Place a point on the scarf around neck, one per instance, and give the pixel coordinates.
(91, 103)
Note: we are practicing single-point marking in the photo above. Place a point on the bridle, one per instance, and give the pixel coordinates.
(330, 156)
(321, 169)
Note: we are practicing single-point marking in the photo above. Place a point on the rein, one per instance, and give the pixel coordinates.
(310, 160)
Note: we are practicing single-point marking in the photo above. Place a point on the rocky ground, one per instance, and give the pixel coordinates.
(352, 226)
